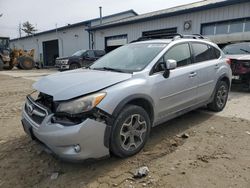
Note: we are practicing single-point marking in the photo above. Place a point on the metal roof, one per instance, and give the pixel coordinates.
(188, 8)
(87, 22)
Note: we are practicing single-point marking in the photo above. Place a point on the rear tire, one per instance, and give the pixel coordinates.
(220, 97)
(26, 63)
(74, 66)
(130, 131)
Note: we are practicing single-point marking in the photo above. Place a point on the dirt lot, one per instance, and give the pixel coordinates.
(217, 153)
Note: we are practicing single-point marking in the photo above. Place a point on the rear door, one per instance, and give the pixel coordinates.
(207, 64)
(179, 90)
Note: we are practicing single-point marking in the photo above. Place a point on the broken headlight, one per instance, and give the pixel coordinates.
(80, 105)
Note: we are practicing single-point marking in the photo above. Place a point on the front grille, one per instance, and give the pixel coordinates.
(36, 112)
(46, 101)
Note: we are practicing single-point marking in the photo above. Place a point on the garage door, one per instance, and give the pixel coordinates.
(115, 42)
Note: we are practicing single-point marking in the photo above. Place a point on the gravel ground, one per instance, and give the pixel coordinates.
(216, 154)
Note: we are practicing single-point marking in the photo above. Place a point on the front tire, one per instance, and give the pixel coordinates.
(130, 131)
(220, 97)
(74, 66)
(1, 64)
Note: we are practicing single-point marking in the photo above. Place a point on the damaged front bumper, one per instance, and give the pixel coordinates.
(72, 143)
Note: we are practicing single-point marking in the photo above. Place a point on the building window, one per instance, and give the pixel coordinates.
(236, 27)
(247, 26)
(221, 28)
(208, 30)
(226, 27)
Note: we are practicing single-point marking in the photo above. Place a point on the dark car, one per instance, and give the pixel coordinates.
(82, 58)
(239, 54)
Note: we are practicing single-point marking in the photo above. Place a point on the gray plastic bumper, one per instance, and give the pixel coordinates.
(78, 142)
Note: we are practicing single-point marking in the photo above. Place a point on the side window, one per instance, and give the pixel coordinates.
(90, 54)
(180, 53)
(99, 53)
(217, 53)
(202, 52)
(160, 66)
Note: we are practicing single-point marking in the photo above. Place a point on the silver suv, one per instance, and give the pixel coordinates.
(112, 106)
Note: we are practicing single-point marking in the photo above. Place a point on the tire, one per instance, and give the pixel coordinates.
(1, 64)
(130, 131)
(220, 97)
(18, 66)
(26, 63)
(74, 66)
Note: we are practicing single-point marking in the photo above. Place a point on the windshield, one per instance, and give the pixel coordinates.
(233, 49)
(129, 58)
(4, 42)
(79, 53)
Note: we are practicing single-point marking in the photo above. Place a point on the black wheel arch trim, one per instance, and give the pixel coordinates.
(220, 78)
(131, 98)
(119, 107)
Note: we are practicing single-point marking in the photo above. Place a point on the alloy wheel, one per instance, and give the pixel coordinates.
(221, 96)
(133, 132)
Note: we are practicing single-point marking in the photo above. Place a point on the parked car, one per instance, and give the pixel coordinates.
(82, 58)
(111, 106)
(239, 54)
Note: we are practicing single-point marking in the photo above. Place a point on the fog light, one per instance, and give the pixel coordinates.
(77, 148)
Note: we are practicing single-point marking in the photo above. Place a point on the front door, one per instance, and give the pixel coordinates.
(179, 90)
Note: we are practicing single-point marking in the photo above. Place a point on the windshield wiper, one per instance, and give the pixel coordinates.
(245, 50)
(109, 69)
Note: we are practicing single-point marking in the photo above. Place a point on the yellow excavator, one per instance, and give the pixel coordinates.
(22, 59)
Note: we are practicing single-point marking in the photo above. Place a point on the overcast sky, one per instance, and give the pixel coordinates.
(45, 14)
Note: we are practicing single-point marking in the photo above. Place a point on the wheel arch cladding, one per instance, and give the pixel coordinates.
(225, 79)
(141, 100)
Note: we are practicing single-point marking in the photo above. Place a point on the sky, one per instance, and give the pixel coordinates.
(46, 14)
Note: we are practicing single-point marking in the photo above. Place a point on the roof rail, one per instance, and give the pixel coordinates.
(173, 36)
(158, 36)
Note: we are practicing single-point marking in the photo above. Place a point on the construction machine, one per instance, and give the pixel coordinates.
(22, 59)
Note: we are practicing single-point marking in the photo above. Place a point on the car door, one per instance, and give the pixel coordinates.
(89, 58)
(207, 64)
(179, 90)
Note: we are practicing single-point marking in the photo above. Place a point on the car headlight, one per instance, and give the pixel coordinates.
(81, 105)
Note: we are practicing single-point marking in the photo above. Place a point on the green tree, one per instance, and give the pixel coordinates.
(28, 28)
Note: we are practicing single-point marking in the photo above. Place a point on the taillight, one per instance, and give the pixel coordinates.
(229, 62)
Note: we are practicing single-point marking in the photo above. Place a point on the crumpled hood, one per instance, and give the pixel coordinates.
(239, 57)
(71, 84)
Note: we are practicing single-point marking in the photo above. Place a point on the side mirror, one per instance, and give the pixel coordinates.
(170, 65)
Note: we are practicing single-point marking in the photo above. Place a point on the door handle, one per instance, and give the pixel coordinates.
(192, 74)
(217, 66)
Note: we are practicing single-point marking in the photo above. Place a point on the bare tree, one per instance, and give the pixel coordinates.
(28, 28)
